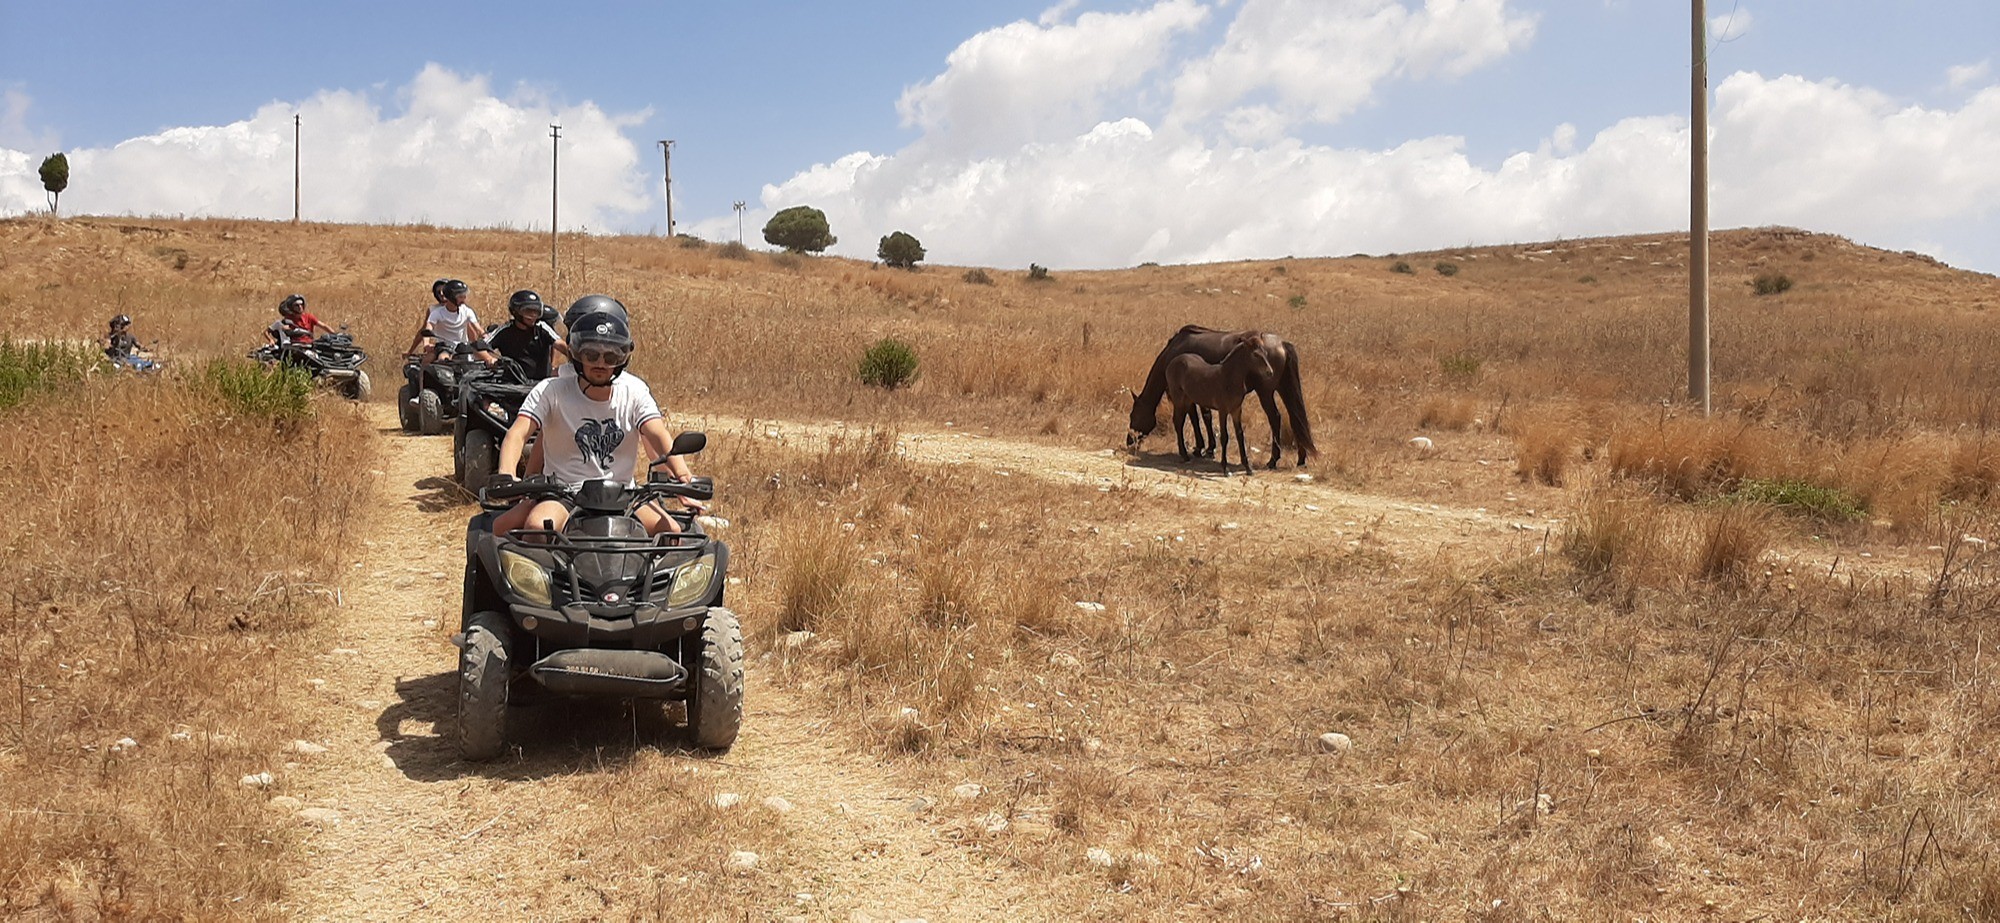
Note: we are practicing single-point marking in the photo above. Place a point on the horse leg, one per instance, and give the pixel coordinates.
(1270, 401)
(1223, 437)
(1180, 431)
(1207, 450)
(1242, 445)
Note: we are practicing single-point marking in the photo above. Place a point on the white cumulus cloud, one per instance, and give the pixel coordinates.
(1960, 76)
(1730, 26)
(449, 151)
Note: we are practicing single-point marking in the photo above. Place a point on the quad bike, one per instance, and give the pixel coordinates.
(598, 609)
(138, 360)
(488, 399)
(331, 359)
(429, 397)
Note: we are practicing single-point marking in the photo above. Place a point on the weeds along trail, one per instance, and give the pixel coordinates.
(586, 818)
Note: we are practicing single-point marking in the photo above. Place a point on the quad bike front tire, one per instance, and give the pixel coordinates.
(484, 676)
(458, 452)
(406, 408)
(478, 459)
(430, 412)
(715, 704)
(358, 388)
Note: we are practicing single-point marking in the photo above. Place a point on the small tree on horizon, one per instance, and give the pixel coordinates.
(799, 229)
(900, 250)
(55, 178)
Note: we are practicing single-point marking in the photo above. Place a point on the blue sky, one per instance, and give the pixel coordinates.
(1073, 134)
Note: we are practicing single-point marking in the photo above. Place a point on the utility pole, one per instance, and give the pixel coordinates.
(1698, 361)
(739, 221)
(555, 176)
(295, 168)
(667, 166)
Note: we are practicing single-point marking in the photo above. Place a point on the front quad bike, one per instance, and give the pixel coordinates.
(488, 399)
(331, 359)
(429, 396)
(598, 609)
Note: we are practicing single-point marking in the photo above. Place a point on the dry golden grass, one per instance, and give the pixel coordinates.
(162, 559)
(1684, 710)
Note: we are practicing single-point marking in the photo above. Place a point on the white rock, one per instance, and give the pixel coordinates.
(180, 735)
(712, 523)
(1423, 444)
(1099, 857)
(1090, 606)
(123, 744)
(258, 780)
(324, 817)
(727, 800)
(993, 822)
(1143, 860)
(1335, 742)
(742, 861)
(968, 791)
(1230, 526)
(1302, 478)
(777, 805)
(306, 747)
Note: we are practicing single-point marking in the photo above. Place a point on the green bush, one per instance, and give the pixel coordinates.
(890, 363)
(1402, 267)
(689, 241)
(1826, 504)
(247, 389)
(1446, 269)
(1771, 283)
(799, 229)
(733, 250)
(1460, 368)
(29, 368)
(1038, 273)
(977, 277)
(1298, 302)
(900, 250)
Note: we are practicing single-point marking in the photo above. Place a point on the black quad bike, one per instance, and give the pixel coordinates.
(488, 399)
(598, 609)
(429, 396)
(332, 359)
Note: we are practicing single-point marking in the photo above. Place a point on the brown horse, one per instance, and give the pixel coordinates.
(1212, 345)
(1193, 383)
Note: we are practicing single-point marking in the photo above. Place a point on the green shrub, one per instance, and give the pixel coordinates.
(890, 363)
(733, 250)
(690, 242)
(1772, 283)
(1460, 368)
(977, 277)
(1402, 267)
(1446, 269)
(246, 389)
(1826, 504)
(1298, 302)
(900, 250)
(1038, 273)
(799, 229)
(28, 368)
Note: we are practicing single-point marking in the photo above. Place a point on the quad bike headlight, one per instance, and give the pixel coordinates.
(498, 412)
(691, 582)
(529, 579)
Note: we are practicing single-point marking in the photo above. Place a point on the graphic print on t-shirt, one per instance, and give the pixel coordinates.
(598, 439)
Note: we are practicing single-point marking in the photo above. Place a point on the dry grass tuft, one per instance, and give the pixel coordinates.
(1545, 446)
(1732, 542)
(1454, 413)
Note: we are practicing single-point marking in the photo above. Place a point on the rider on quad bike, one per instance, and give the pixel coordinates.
(528, 339)
(429, 396)
(591, 585)
(293, 325)
(489, 398)
(123, 349)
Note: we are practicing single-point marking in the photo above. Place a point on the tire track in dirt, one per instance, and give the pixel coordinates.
(421, 834)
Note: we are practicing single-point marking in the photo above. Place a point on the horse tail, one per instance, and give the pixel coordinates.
(1294, 395)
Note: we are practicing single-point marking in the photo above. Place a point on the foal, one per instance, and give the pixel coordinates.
(1192, 382)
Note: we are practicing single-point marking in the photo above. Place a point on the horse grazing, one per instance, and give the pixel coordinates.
(1282, 382)
(1194, 383)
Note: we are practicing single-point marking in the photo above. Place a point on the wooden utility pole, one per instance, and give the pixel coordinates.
(1698, 362)
(555, 177)
(295, 168)
(667, 166)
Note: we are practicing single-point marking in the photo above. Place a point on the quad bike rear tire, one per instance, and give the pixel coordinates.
(406, 408)
(458, 451)
(358, 388)
(715, 704)
(484, 676)
(478, 458)
(430, 412)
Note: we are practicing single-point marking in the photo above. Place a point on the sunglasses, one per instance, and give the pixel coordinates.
(603, 355)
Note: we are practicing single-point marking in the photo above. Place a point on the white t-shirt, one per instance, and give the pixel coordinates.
(450, 325)
(583, 439)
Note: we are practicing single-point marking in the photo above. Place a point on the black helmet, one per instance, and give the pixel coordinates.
(599, 328)
(293, 304)
(527, 305)
(121, 320)
(595, 304)
(437, 288)
(455, 288)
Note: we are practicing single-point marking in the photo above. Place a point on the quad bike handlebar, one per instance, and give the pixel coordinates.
(605, 495)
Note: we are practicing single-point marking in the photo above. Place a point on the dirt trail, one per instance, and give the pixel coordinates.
(419, 834)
